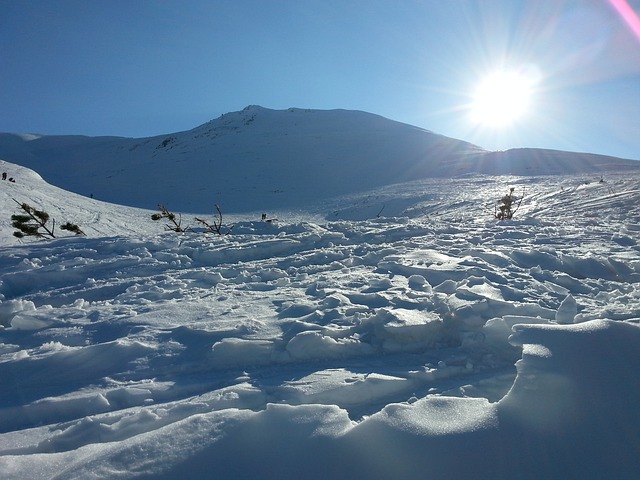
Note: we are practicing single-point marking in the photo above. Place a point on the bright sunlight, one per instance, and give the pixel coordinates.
(502, 98)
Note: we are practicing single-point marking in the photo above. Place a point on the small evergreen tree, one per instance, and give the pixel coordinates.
(34, 223)
(72, 227)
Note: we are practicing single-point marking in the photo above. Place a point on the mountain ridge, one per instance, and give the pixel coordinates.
(290, 157)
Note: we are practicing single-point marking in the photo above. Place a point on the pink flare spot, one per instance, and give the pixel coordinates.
(628, 14)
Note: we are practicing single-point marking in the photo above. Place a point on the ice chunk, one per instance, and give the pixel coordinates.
(567, 311)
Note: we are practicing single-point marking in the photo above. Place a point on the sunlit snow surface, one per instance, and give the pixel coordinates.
(402, 333)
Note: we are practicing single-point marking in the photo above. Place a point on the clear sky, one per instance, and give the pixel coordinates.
(138, 68)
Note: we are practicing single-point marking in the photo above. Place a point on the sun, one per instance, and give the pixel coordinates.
(501, 99)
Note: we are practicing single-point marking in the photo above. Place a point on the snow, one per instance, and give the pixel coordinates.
(395, 331)
(262, 160)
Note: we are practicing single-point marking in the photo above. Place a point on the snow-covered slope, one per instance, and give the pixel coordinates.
(260, 159)
(96, 218)
(399, 332)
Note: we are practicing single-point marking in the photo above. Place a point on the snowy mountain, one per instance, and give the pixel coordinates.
(381, 330)
(260, 159)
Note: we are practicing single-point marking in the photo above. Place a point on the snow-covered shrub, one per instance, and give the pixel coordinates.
(504, 209)
(216, 225)
(176, 222)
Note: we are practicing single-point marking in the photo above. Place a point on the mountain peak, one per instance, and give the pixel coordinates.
(260, 159)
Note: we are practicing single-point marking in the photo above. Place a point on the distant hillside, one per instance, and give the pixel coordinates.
(260, 159)
(537, 161)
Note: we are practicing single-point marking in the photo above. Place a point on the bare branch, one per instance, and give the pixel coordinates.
(176, 223)
(216, 225)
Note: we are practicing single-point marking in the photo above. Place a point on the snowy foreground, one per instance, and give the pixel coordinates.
(402, 333)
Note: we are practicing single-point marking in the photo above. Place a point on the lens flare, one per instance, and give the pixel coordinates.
(628, 15)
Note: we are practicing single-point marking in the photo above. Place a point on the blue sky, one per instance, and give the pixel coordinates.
(147, 67)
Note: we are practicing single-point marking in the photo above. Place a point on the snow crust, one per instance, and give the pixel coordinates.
(401, 332)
